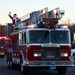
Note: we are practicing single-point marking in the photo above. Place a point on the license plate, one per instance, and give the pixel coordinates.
(52, 67)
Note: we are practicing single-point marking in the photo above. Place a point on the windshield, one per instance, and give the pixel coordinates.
(38, 36)
(60, 37)
(2, 43)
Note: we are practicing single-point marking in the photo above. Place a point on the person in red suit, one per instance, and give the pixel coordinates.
(14, 18)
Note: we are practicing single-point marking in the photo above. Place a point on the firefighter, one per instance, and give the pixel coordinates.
(14, 19)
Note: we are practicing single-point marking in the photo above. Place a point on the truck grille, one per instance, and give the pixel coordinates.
(50, 53)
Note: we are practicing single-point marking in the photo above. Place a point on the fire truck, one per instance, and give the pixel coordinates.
(38, 42)
(2, 45)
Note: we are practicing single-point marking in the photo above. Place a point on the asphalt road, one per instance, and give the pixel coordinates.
(4, 70)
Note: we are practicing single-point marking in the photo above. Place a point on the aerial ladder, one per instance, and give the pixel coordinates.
(40, 18)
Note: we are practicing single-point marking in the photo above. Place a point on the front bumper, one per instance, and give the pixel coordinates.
(48, 63)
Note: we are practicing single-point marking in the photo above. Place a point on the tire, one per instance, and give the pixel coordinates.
(61, 70)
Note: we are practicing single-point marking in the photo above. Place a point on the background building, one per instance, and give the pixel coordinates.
(2, 30)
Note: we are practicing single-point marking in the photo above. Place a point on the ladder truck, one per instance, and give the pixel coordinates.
(38, 42)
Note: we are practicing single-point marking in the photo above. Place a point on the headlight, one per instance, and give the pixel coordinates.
(64, 54)
(36, 53)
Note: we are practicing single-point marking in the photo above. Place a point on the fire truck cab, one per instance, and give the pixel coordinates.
(40, 43)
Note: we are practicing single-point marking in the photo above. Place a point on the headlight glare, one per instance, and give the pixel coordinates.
(64, 54)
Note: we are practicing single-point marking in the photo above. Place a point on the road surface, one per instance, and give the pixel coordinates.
(4, 70)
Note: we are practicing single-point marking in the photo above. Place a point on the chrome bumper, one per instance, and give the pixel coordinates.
(49, 63)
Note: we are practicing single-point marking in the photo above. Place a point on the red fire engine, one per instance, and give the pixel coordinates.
(38, 42)
(2, 45)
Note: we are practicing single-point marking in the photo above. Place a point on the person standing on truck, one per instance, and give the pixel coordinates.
(14, 19)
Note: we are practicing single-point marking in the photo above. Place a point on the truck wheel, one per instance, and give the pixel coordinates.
(61, 70)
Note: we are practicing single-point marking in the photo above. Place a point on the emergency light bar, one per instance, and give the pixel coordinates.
(30, 26)
(65, 27)
(5, 38)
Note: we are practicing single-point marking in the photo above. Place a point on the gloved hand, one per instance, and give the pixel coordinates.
(9, 13)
